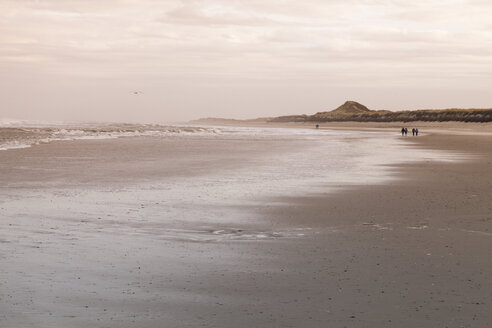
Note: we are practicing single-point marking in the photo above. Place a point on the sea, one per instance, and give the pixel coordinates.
(196, 182)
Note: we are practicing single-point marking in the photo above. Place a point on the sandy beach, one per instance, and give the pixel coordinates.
(244, 164)
(82, 244)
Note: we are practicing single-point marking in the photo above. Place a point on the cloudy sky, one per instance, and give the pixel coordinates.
(83, 59)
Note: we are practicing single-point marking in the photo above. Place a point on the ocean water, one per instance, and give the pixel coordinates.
(21, 134)
(186, 182)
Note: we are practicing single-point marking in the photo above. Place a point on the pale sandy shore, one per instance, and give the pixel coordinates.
(414, 252)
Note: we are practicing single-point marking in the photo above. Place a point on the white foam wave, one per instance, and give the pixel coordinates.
(13, 145)
(15, 134)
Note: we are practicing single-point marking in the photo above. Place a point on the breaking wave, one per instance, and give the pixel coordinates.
(21, 134)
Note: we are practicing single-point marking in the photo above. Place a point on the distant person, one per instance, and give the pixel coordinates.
(406, 131)
(402, 132)
(413, 132)
(416, 132)
(317, 126)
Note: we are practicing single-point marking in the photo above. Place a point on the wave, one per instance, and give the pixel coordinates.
(15, 134)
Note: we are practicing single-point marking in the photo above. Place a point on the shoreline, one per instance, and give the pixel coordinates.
(435, 127)
(412, 252)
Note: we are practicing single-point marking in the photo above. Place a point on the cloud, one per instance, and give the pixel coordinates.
(216, 15)
(351, 43)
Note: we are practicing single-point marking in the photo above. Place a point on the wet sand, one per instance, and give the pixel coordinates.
(413, 252)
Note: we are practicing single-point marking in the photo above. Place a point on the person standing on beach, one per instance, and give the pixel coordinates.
(413, 132)
(416, 132)
(402, 132)
(406, 131)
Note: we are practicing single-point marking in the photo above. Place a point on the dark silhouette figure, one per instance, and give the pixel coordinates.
(402, 132)
(413, 132)
(406, 131)
(317, 126)
(416, 132)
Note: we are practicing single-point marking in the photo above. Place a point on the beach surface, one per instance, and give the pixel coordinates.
(248, 231)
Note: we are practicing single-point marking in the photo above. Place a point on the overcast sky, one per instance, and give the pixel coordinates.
(83, 59)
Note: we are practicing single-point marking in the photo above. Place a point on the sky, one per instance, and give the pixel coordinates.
(85, 59)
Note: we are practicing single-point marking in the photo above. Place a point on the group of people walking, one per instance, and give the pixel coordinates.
(404, 131)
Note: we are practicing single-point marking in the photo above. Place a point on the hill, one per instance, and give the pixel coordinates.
(351, 107)
(355, 112)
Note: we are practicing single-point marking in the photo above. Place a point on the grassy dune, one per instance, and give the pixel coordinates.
(355, 112)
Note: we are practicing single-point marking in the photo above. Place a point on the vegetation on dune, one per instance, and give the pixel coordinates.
(355, 112)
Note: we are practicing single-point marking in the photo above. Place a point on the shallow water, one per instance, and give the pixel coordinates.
(188, 186)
